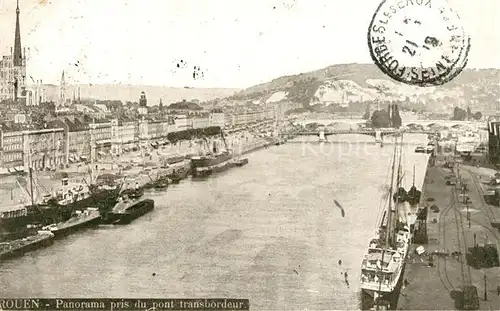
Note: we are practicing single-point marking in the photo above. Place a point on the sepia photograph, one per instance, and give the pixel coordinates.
(249, 155)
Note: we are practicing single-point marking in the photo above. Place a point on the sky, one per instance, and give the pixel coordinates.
(232, 43)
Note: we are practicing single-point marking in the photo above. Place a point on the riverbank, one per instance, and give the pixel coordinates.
(138, 166)
(436, 278)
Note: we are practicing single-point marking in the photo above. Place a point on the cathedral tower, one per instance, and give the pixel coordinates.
(18, 62)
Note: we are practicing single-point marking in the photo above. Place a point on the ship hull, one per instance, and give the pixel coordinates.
(103, 199)
(209, 161)
(241, 162)
(179, 175)
(207, 171)
(390, 299)
(92, 222)
(34, 245)
(175, 159)
(135, 211)
(13, 224)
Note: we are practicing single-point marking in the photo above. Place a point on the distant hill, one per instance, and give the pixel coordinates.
(356, 83)
(132, 93)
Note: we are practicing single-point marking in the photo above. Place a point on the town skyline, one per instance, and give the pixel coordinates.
(221, 38)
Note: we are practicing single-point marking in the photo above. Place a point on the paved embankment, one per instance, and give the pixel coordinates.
(436, 279)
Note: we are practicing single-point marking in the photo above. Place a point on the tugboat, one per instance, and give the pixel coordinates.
(83, 219)
(241, 162)
(18, 247)
(128, 209)
(174, 159)
(178, 174)
(161, 183)
(133, 193)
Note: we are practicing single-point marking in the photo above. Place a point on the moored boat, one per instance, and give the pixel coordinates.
(19, 247)
(174, 159)
(241, 162)
(384, 261)
(126, 210)
(73, 197)
(215, 162)
(133, 193)
(161, 184)
(178, 174)
(83, 219)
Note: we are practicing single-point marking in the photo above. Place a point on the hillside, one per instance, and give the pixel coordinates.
(357, 83)
(132, 93)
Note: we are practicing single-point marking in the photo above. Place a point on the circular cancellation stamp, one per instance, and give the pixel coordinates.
(418, 42)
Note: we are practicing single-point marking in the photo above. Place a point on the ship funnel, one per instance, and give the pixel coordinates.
(214, 148)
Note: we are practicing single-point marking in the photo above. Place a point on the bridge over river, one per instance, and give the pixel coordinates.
(378, 133)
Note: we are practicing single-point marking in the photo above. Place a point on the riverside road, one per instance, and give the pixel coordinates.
(268, 231)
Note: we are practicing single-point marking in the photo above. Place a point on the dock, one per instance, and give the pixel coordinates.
(455, 231)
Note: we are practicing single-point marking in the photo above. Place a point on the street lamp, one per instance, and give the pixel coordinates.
(485, 289)
(468, 214)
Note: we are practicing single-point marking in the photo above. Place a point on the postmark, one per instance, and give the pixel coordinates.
(418, 42)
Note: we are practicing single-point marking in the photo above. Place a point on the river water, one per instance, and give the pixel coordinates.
(268, 231)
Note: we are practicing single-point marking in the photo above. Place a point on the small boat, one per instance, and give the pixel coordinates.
(175, 159)
(241, 162)
(202, 172)
(19, 247)
(420, 149)
(133, 193)
(83, 219)
(178, 175)
(161, 184)
(126, 210)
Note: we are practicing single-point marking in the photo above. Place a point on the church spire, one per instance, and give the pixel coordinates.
(18, 58)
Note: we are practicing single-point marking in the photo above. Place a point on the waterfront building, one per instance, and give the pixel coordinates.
(217, 118)
(11, 150)
(43, 148)
(186, 108)
(38, 148)
(202, 122)
(78, 140)
(246, 118)
(71, 139)
(157, 130)
(100, 138)
(13, 69)
(124, 135)
(182, 122)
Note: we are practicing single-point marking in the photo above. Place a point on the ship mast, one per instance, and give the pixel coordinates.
(398, 185)
(389, 208)
(31, 186)
(413, 175)
(223, 138)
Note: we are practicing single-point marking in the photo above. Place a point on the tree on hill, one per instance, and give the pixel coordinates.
(380, 119)
(396, 118)
(366, 116)
(459, 114)
(478, 115)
